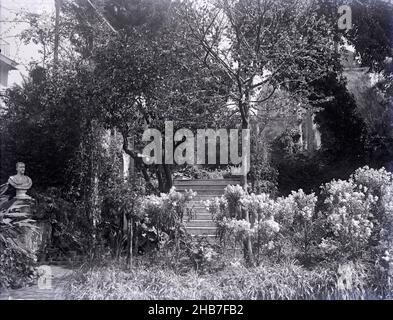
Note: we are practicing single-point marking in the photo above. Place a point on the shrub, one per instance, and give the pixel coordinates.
(372, 181)
(68, 227)
(384, 260)
(347, 213)
(296, 215)
(205, 255)
(380, 184)
(17, 268)
(192, 172)
(259, 207)
(16, 260)
(276, 227)
(233, 195)
(163, 217)
(166, 211)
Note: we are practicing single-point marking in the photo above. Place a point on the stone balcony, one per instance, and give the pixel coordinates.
(6, 63)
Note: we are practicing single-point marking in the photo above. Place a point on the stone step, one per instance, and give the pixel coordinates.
(198, 208)
(205, 182)
(203, 197)
(199, 216)
(198, 203)
(202, 230)
(197, 187)
(200, 223)
(200, 211)
(210, 193)
(207, 189)
(210, 237)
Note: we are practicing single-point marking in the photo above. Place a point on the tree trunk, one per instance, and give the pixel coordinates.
(164, 177)
(168, 176)
(138, 161)
(248, 252)
(245, 125)
(161, 184)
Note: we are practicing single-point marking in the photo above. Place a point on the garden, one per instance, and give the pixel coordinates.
(312, 218)
(336, 245)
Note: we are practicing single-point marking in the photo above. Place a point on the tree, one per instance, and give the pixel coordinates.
(371, 38)
(145, 77)
(41, 124)
(262, 46)
(372, 33)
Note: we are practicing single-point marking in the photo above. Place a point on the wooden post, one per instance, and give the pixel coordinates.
(130, 236)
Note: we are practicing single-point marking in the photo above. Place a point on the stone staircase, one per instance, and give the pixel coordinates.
(201, 223)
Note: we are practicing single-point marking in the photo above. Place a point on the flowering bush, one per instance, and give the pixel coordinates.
(166, 211)
(204, 255)
(384, 260)
(379, 183)
(217, 207)
(296, 214)
(351, 220)
(229, 212)
(259, 206)
(233, 194)
(240, 228)
(226, 211)
(348, 219)
(273, 224)
(372, 181)
(265, 230)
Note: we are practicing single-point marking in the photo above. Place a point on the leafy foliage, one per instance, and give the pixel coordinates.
(350, 220)
(192, 172)
(42, 126)
(16, 261)
(286, 281)
(166, 212)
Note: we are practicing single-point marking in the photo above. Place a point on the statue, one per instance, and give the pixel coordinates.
(20, 182)
(15, 188)
(15, 204)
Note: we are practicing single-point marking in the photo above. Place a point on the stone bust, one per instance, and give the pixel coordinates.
(20, 182)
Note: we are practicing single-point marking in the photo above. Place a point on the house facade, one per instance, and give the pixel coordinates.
(6, 64)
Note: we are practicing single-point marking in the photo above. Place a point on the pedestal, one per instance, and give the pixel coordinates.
(21, 195)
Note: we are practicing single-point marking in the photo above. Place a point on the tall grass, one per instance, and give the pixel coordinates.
(287, 281)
